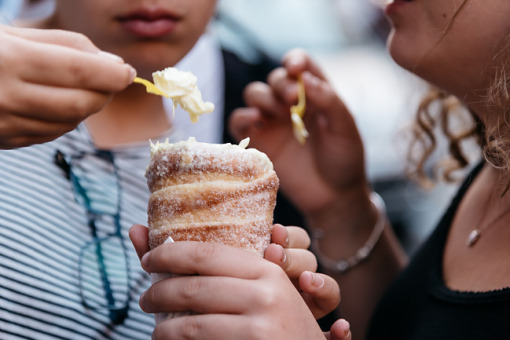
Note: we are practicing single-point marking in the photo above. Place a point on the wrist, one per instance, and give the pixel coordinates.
(352, 240)
(350, 216)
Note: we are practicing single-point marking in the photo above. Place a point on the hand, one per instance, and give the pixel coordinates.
(331, 161)
(236, 294)
(340, 330)
(51, 81)
(289, 250)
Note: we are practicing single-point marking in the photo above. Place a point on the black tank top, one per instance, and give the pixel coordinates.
(418, 305)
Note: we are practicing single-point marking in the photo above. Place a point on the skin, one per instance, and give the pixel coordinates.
(439, 41)
(99, 21)
(47, 97)
(132, 115)
(252, 297)
(456, 56)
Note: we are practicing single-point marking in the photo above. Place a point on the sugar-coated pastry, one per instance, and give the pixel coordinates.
(211, 192)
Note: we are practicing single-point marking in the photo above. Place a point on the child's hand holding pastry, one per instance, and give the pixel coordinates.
(236, 293)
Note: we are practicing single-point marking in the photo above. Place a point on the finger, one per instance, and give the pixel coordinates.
(261, 96)
(340, 330)
(292, 261)
(14, 127)
(75, 69)
(279, 235)
(297, 61)
(205, 258)
(200, 294)
(244, 122)
(54, 104)
(321, 97)
(208, 326)
(139, 236)
(283, 86)
(321, 292)
(21, 141)
(298, 238)
(56, 37)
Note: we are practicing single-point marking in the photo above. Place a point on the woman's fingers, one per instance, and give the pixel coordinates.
(321, 292)
(297, 61)
(261, 96)
(244, 122)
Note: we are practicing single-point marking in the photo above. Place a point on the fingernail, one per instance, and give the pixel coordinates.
(132, 73)
(145, 260)
(317, 281)
(111, 56)
(284, 256)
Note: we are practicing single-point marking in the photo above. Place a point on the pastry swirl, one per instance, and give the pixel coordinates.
(211, 193)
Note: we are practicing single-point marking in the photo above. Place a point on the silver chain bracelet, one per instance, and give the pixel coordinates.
(344, 265)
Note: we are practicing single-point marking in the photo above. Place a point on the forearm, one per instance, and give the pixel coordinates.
(345, 230)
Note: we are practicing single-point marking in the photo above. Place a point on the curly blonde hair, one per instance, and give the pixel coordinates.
(440, 112)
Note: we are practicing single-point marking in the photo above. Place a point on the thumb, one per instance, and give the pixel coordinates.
(340, 330)
(320, 292)
(139, 236)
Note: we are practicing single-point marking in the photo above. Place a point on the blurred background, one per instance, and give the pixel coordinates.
(347, 38)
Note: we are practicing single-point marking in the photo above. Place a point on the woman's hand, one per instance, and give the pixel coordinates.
(288, 249)
(51, 81)
(236, 294)
(328, 171)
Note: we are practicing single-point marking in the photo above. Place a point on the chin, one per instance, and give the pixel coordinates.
(404, 53)
(150, 58)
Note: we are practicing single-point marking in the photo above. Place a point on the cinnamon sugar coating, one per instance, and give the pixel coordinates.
(211, 193)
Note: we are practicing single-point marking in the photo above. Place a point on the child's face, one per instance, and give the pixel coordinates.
(148, 34)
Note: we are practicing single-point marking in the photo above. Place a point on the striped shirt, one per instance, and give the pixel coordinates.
(43, 226)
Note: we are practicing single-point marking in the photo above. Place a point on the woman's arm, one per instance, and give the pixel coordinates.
(325, 178)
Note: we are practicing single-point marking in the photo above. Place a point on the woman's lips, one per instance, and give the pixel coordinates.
(147, 24)
(394, 6)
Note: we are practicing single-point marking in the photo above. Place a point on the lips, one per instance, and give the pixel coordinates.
(149, 23)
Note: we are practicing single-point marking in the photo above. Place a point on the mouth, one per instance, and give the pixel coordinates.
(149, 23)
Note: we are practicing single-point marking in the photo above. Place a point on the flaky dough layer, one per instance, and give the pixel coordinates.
(212, 193)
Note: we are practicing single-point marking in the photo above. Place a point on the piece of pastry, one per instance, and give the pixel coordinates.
(212, 193)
